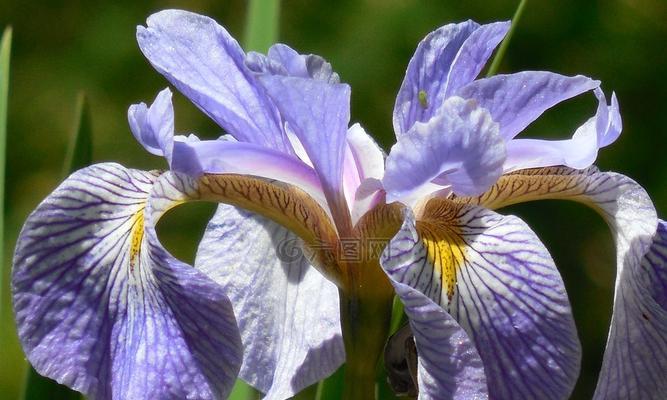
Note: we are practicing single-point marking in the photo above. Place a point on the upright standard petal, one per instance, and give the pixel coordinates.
(460, 147)
(102, 308)
(446, 59)
(153, 126)
(516, 100)
(288, 313)
(449, 365)
(207, 65)
(635, 362)
(283, 60)
(318, 113)
(578, 152)
(362, 172)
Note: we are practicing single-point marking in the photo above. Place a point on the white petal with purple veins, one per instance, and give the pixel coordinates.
(493, 275)
(635, 363)
(288, 313)
(449, 365)
(104, 309)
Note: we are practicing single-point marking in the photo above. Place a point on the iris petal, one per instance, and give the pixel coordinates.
(516, 100)
(634, 363)
(317, 112)
(229, 157)
(102, 308)
(207, 65)
(578, 152)
(449, 365)
(446, 59)
(460, 146)
(288, 313)
(153, 126)
(498, 281)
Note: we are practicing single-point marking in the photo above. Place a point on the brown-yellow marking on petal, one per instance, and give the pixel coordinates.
(539, 184)
(285, 204)
(137, 236)
(437, 227)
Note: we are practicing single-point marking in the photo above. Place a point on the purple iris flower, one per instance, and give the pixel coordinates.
(102, 307)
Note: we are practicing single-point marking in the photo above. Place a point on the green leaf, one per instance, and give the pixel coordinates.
(332, 387)
(79, 155)
(39, 388)
(80, 149)
(5, 50)
(243, 391)
(261, 29)
(506, 42)
(309, 393)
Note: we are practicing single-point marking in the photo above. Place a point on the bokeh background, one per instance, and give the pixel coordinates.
(63, 47)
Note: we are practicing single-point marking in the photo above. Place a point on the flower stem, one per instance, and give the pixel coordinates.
(365, 323)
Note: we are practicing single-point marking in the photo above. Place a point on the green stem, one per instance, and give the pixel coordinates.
(506, 42)
(365, 323)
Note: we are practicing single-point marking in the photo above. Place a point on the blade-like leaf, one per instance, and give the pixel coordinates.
(243, 391)
(80, 149)
(79, 155)
(5, 48)
(261, 29)
(495, 64)
(332, 387)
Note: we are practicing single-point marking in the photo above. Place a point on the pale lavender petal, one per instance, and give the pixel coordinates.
(207, 65)
(427, 71)
(474, 53)
(449, 365)
(516, 100)
(153, 126)
(288, 313)
(318, 113)
(283, 60)
(446, 59)
(368, 156)
(195, 158)
(635, 361)
(578, 152)
(498, 281)
(460, 146)
(362, 171)
(103, 308)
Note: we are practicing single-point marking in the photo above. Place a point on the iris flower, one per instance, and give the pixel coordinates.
(103, 308)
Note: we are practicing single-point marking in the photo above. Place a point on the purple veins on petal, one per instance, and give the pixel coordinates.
(262, 269)
(509, 297)
(97, 298)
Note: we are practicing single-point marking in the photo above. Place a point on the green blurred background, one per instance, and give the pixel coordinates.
(63, 47)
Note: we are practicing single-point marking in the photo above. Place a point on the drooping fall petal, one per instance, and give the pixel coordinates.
(288, 313)
(497, 280)
(103, 308)
(635, 362)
